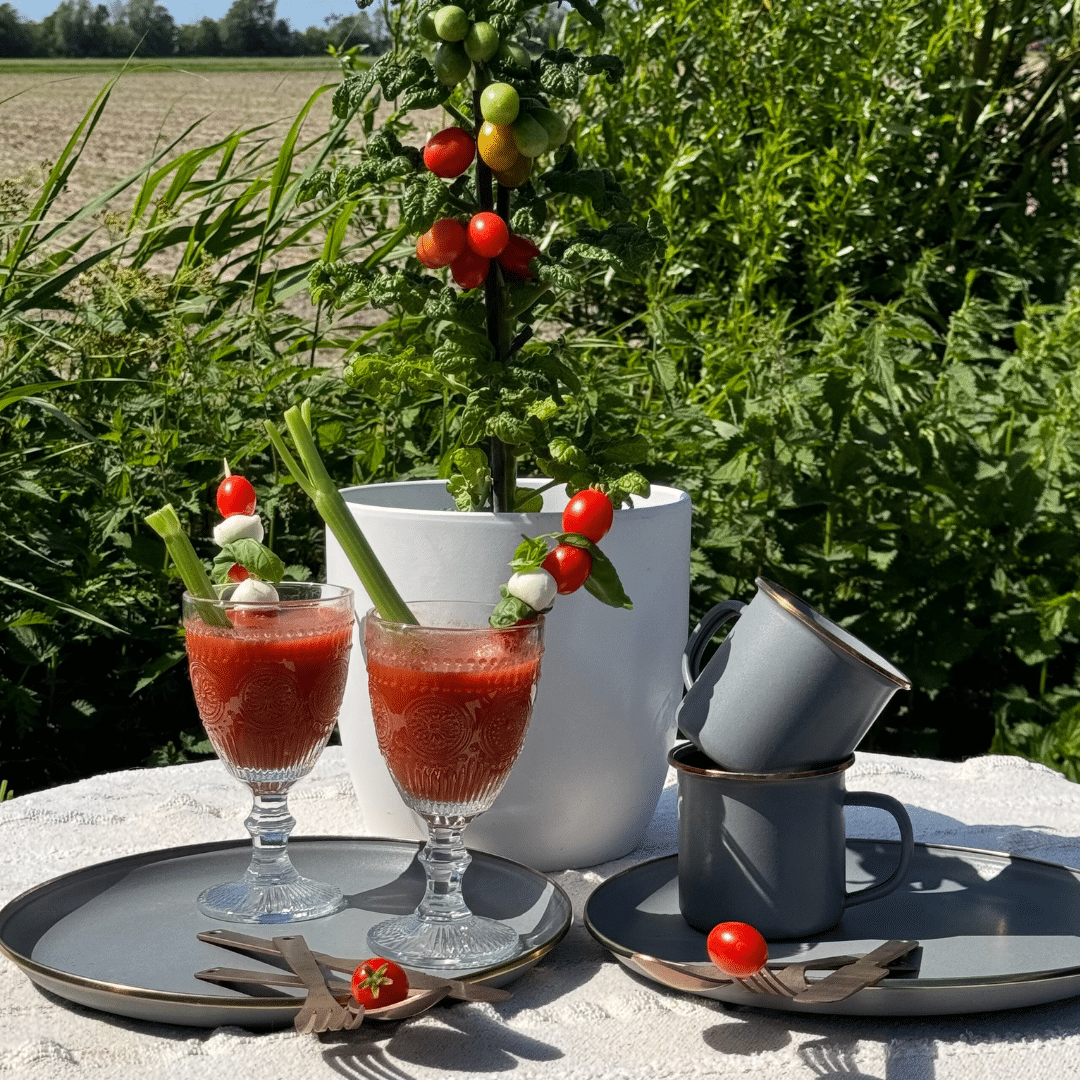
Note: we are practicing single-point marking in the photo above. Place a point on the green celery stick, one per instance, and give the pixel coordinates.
(167, 525)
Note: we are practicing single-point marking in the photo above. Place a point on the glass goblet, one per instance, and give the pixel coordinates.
(268, 687)
(451, 701)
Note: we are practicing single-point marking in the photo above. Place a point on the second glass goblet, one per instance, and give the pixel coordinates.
(268, 686)
(451, 701)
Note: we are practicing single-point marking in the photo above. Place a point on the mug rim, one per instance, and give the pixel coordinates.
(675, 760)
(798, 608)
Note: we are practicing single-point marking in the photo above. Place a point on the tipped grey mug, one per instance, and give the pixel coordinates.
(787, 688)
(769, 849)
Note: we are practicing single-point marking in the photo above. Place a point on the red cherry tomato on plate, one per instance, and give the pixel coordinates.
(569, 566)
(488, 234)
(470, 269)
(737, 949)
(590, 513)
(449, 152)
(235, 495)
(515, 259)
(377, 982)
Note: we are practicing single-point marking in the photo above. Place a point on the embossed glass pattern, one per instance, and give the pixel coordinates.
(451, 701)
(268, 688)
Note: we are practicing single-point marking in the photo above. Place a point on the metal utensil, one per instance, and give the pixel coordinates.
(320, 1010)
(866, 971)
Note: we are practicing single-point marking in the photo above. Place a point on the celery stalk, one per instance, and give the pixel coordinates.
(310, 473)
(167, 525)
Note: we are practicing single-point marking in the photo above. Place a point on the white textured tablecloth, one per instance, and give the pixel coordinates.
(578, 1013)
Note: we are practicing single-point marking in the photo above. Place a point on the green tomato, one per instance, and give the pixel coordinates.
(499, 103)
(481, 42)
(451, 63)
(512, 53)
(451, 23)
(530, 136)
(552, 123)
(426, 25)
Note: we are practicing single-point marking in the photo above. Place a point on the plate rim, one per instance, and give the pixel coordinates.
(622, 953)
(269, 1003)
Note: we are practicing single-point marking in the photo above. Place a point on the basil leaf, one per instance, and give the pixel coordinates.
(530, 553)
(509, 611)
(257, 559)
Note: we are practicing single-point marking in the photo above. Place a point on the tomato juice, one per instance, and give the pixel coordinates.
(451, 715)
(269, 687)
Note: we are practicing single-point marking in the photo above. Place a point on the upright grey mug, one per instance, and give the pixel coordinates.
(786, 689)
(769, 849)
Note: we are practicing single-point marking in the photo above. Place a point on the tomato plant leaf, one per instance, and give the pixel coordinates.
(470, 487)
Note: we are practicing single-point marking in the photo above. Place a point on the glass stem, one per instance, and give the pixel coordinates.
(270, 824)
(445, 860)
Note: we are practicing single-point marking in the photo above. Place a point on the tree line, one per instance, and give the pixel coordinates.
(79, 28)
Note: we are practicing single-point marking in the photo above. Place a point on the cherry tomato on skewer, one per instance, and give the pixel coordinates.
(569, 566)
(235, 495)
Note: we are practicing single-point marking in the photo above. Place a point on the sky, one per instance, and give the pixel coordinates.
(300, 13)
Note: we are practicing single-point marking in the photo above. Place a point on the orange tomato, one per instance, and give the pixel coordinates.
(517, 174)
(496, 146)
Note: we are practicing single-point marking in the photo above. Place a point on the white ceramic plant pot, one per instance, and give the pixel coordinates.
(594, 760)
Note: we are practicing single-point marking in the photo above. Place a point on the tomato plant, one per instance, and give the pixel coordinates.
(515, 260)
(470, 269)
(235, 495)
(377, 982)
(488, 234)
(590, 513)
(569, 566)
(737, 949)
(449, 152)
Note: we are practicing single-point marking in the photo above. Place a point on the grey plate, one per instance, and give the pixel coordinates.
(120, 936)
(996, 931)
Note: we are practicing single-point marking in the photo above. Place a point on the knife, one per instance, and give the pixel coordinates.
(867, 971)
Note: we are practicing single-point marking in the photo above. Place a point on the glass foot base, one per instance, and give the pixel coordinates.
(293, 901)
(470, 942)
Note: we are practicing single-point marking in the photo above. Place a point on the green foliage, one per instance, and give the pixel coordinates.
(859, 353)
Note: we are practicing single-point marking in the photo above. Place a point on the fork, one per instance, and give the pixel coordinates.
(320, 1011)
(763, 982)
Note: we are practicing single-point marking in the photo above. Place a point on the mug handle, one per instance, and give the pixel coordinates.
(702, 634)
(907, 844)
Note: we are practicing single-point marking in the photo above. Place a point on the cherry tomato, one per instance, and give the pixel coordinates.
(425, 23)
(444, 242)
(377, 982)
(451, 63)
(488, 234)
(517, 254)
(553, 124)
(470, 269)
(451, 22)
(530, 136)
(499, 103)
(235, 495)
(510, 52)
(449, 152)
(737, 949)
(238, 573)
(517, 174)
(496, 146)
(569, 566)
(481, 42)
(590, 513)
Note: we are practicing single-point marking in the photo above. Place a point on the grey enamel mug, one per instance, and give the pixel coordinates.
(769, 849)
(786, 689)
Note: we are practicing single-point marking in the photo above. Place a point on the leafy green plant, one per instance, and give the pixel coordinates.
(500, 392)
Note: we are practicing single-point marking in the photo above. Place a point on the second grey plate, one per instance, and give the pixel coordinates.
(996, 931)
(121, 936)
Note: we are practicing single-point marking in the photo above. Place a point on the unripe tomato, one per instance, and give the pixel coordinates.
(451, 63)
(481, 42)
(449, 152)
(444, 242)
(451, 23)
(517, 174)
(552, 123)
(569, 566)
(515, 259)
(737, 949)
(488, 234)
(530, 136)
(590, 513)
(510, 52)
(496, 146)
(499, 103)
(426, 25)
(469, 269)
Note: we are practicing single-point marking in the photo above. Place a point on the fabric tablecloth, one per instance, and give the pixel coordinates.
(577, 1014)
